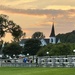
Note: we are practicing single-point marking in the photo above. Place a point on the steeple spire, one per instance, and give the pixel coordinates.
(52, 31)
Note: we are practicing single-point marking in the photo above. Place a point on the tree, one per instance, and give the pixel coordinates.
(32, 46)
(10, 27)
(38, 35)
(12, 48)
(44, 49)
(3, 25)
(68, 37)
(57, 49)
(16, 33)
(1, 43)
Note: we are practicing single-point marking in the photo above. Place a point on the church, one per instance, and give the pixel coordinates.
(52, 38)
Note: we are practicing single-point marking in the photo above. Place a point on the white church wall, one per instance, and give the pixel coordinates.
(52, 40)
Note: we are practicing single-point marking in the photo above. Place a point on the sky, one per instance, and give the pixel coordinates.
(37, 15)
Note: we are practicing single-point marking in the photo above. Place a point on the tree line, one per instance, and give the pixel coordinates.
(33, 45)
(57, 49)
(67, 37)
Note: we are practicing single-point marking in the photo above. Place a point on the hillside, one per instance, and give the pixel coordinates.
(67, 38)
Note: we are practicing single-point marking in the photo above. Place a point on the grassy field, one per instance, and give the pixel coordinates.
(36, 71)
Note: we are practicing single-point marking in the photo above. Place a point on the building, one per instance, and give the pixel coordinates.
(52, 35)
(52, 38)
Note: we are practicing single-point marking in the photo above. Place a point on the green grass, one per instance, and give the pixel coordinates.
(36, 71)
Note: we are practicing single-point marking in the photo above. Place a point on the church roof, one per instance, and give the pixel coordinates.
(46, 40)
(24, 40)
(52, 31)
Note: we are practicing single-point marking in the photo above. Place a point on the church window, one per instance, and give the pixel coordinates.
(51, 40)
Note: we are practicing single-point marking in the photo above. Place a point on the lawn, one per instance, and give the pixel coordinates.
(36, 71)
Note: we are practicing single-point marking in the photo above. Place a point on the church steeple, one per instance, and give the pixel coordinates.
(52, 31)
(52, 35)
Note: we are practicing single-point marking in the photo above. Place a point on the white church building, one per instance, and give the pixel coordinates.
(52, 38)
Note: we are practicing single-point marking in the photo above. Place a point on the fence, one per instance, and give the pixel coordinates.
(52, 61)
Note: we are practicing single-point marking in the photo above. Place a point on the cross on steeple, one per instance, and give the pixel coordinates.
(53, 19)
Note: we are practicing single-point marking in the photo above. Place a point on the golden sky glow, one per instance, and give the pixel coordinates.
(37, 15)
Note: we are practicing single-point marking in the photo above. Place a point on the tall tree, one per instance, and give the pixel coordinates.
(32, 46)
(38, 35)
(1, 43)
(16, 33)
(10, 27)
(3, 25)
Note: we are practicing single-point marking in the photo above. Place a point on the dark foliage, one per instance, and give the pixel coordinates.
(57, 49)
(38, 35)
(12, 48)
(32, 46)
(67, 38)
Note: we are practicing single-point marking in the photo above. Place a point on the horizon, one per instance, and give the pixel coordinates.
(35, 15)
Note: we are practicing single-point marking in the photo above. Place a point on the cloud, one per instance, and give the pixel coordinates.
(45, 3)
(37, 12)
(15, 2)
(57, 7)
(61, 16)
(37, 4)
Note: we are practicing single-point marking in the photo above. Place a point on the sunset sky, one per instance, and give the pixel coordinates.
(37, 15)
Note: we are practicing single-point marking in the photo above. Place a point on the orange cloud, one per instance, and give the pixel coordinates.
(62, 7)
(43, 13)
